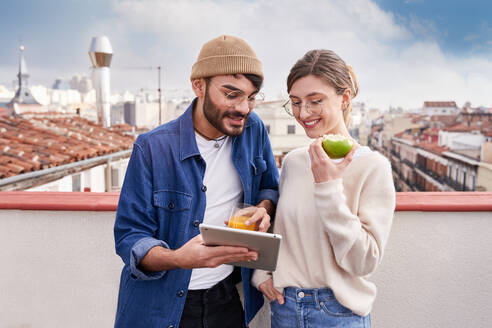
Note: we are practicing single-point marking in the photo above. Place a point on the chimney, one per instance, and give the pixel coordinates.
(101, 53)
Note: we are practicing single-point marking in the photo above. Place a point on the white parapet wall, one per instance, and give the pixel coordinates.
(59, 269)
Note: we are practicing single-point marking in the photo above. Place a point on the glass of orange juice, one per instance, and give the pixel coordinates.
(240, 213)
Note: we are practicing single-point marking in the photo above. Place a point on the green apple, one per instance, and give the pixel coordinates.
(336, 145)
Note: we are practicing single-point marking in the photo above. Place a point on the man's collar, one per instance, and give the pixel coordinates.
(187, 141)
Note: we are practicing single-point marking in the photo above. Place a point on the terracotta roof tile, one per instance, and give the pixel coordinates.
(35, 142)
(460, 127)
(433, 147)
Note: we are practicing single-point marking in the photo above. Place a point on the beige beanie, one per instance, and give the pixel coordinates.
(226, 55)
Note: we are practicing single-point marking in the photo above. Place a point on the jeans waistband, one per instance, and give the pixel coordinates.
(308, 295)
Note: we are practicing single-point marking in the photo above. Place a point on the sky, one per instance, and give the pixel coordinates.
(404, 52)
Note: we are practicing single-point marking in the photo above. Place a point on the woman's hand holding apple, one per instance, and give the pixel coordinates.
(323, 168)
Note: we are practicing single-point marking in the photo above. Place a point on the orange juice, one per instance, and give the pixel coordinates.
(238, 222)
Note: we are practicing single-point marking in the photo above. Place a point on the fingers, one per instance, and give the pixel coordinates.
(260, 214)
(347, 159)
(194, 254)
(257, 215)
(218, 260)
(267, 289)
(279, 296)
(319, 151)
(265, 223)
(218, 251)
(313, 154)
(234, 252)
(318, 154)
(270, 292)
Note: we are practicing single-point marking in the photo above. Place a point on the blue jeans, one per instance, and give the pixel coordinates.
(313, 308)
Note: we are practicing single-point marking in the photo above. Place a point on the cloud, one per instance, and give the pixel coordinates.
(279, 32)
(422, 72)
(423, 28)
(398, 61)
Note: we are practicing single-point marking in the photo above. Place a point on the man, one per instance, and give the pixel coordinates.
(189, 171)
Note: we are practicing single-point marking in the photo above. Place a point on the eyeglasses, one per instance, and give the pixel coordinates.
(314, 107)
(236, 97)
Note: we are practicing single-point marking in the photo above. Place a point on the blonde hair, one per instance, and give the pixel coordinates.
(328, 66)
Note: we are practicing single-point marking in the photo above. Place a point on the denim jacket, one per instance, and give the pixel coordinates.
(162, 203)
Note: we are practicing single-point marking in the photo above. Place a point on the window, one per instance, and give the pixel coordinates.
(268, 128)
(291, 129)
(114, 177)
(76, 182)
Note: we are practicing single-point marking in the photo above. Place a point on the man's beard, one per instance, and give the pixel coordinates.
(216, 118)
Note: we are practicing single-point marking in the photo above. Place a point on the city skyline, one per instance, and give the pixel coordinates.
(404, 52)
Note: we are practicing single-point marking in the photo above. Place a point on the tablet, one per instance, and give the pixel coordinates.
(266, 244)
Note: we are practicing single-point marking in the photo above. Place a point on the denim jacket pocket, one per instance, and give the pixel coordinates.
(171, 200)
(259, 165)
(128, 286)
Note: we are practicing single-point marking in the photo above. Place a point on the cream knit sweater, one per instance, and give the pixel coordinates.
(334, 233)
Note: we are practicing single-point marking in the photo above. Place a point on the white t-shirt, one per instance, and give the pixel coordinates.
(224, 190)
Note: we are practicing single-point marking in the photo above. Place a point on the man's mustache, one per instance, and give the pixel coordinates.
(235, 114)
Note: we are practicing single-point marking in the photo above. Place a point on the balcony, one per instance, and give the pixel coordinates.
(394, 153)
(408, 163)
(59, 267)
(456, 185)
(433, 177)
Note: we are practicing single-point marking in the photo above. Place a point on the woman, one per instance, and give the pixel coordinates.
(334, 215)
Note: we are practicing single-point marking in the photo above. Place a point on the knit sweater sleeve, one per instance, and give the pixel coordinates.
(358, 239)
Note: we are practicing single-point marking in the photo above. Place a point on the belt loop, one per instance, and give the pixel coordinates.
(316, 299)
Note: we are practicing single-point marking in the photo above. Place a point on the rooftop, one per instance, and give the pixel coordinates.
(460, 127)
(440, 104)
(432, 147)
(40, 141)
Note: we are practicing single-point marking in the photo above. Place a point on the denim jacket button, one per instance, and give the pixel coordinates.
(171, 205)
(196, 223)
(300, 294)
(204, 188)
(181, 293)
(171, 326)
